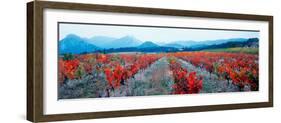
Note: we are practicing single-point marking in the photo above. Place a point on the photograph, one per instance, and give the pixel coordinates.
(98, 60)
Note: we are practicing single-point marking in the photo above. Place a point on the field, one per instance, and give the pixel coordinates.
(96, 75)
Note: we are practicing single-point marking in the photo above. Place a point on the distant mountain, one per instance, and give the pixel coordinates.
(109, 42)
(101, 41)
(175, 45)
(75, 45)
(105, 42)
(148, 44)
(220, 41)
(127, 41)
(208, 42)
(187, 43)
(251, 42)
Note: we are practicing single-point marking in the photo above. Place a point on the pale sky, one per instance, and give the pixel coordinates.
(157, 35)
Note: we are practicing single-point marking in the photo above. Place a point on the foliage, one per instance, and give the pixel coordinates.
(113, 71)
(185, 82)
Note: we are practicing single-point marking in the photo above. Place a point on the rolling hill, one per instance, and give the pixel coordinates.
(148, 44)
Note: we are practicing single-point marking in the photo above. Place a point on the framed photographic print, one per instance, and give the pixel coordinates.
(96, 61)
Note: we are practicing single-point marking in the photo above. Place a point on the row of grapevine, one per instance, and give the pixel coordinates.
(116, 68)
(118, 74)
(241, 69)
(185, 82)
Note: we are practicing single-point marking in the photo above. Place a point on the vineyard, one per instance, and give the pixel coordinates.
(136, 74)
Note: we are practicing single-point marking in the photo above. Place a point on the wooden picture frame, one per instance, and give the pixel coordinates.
(35, 60)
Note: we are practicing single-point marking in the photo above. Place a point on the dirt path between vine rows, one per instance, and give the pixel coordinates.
(211, 82)
(157, 79)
